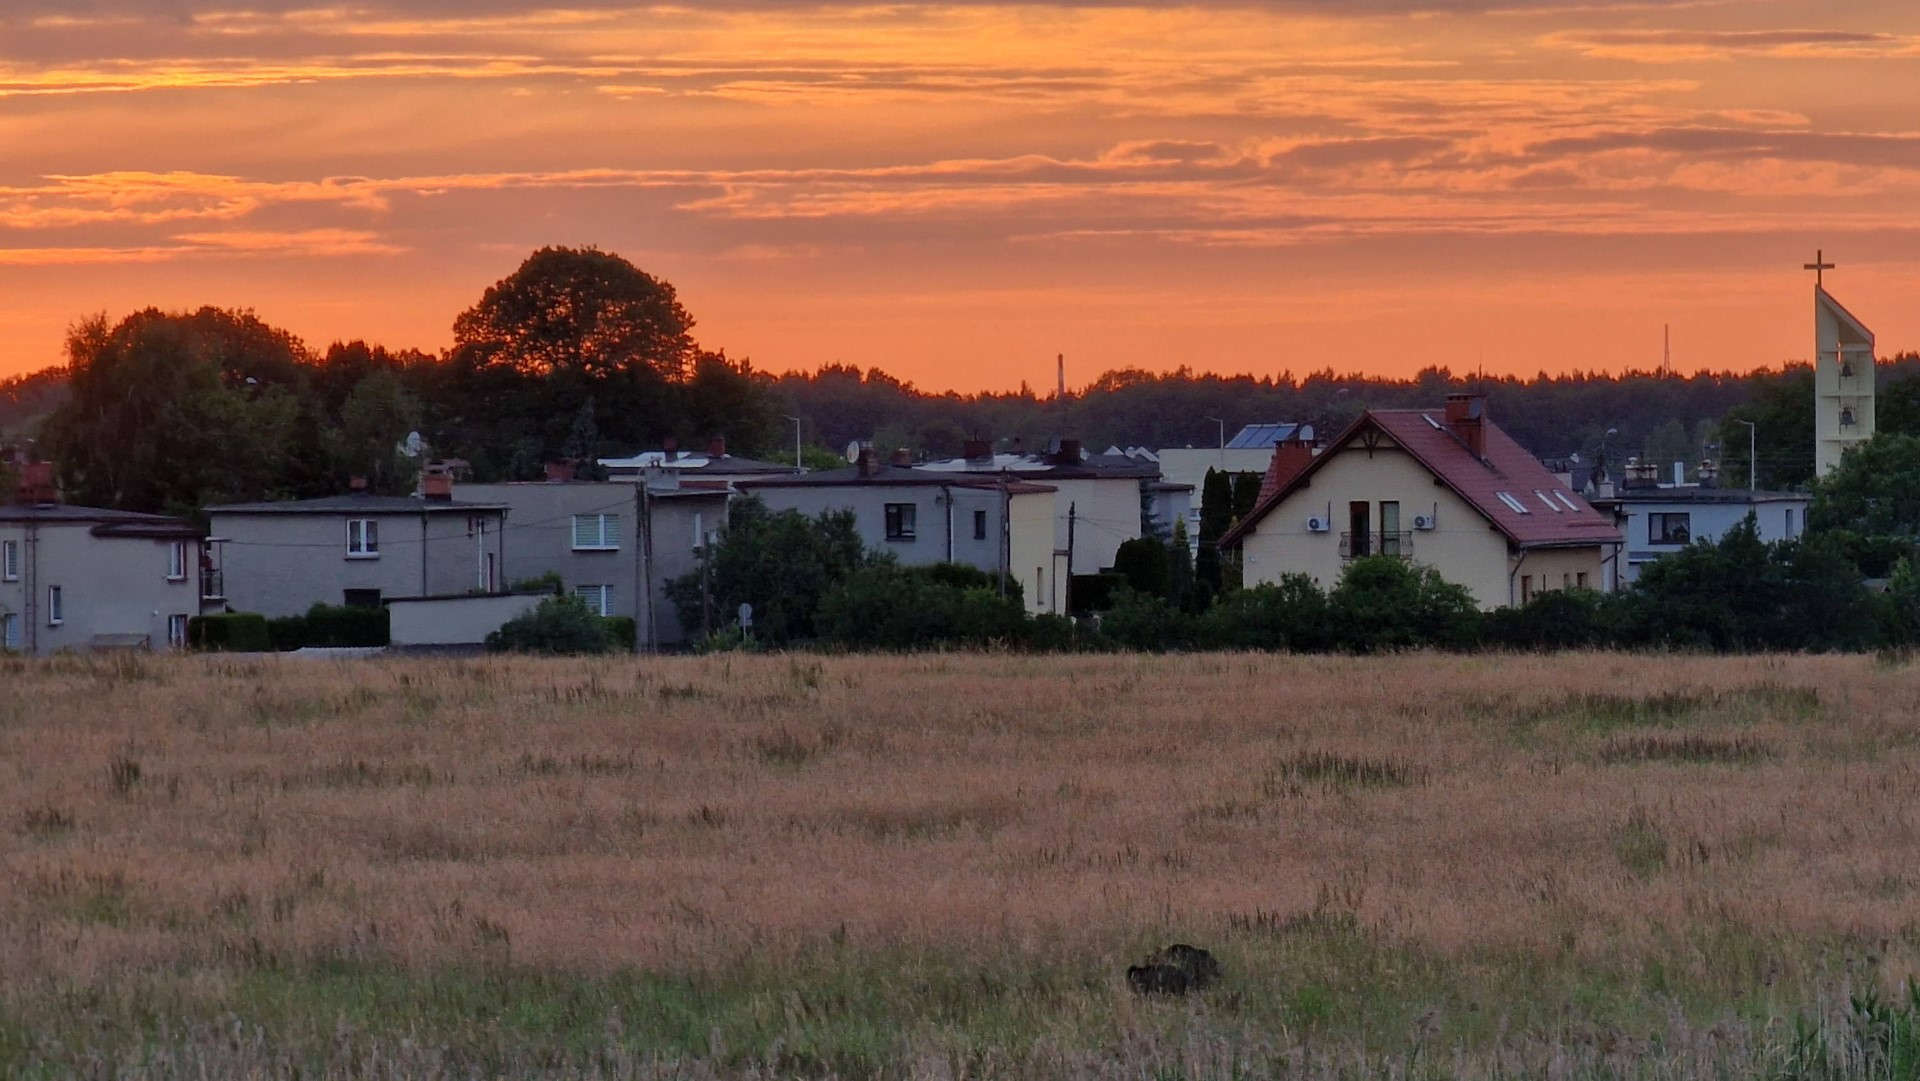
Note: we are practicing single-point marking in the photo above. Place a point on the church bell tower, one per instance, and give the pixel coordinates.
(1843, 376)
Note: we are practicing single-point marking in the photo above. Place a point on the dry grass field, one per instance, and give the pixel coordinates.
(1428, 865)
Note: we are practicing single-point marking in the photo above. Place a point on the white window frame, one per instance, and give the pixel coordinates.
(9, 561)
(598, 598)
(9, 631)
(363, 542)
(177, 630)
(177, 561)
(601, 532)
(908, 517)
(1513, 504)
(56, 606)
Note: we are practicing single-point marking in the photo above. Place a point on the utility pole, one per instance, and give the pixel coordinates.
(1006, 534)
(1068, 592)
(1223, 439)
(1753, 459)
(796, 443)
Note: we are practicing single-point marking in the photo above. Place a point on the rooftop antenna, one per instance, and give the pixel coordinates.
(1060, 360)
(1666, 348)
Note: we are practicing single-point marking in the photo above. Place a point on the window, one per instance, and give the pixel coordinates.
(979, 525)
(9, 631)
(363, 538)
(176, 631)
(10, 561)
(596, 532)
(177, 561)
(1359, 529)
(56, 606)
(1551, 505)
(1566, 580)
(1389, 528)
(1669, 529)
(901, 521)
(1562, 497)
(1513, 504)
(1580, 580)
(360, 598)
(599, 599)
(1526, 588)
(1789, 532)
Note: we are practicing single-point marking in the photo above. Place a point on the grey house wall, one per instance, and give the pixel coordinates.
(109, 586)
(939, 537)
(539, 540)
(1707, 521)
(282, 563)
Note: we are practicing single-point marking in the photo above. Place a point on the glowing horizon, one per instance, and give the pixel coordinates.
(954, 193)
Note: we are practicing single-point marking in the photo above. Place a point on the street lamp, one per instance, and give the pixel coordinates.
(796, 442)
(1611, 432)
(1753, 460)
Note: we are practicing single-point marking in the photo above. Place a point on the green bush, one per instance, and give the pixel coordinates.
(1384, 603)
(287, 632)
(1093, 592)
(1557, 619)
(1145, 622)
(337, 626)
(1289, 614)
(622, 631)
(1049, 633)
(558, 625)
(230, 632)
(549, 582)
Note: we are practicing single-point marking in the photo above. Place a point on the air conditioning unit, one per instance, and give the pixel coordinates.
(1316, 524)
(1423, 521)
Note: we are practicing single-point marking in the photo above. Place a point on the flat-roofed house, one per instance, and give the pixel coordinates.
(1443, 487)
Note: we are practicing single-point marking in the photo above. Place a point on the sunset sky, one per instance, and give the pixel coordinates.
(956, 192)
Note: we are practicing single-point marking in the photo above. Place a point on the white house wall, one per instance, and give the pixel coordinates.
(109, 586)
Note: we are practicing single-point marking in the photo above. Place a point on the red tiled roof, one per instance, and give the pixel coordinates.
(1507, 467)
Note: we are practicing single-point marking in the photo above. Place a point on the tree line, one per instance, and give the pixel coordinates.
(579, 354)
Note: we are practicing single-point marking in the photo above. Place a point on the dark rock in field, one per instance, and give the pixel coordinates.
(1174, 971)
(1199, 965)
(1157, 980)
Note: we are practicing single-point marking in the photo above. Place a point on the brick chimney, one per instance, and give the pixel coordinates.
(1467, 419)
(436, 483)
(902, 457)
(357, 485)
(670, 448)
(36, 484)
(717, 447)
(977, 450)
(1069, 453)
(1290, 456)
(560, 471)
(867, 463)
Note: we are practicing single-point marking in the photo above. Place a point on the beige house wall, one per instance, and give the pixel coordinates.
(1463, 546)
(1106, 513)
(1030, 550)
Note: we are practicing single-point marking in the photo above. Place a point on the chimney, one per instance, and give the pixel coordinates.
(1679, 474)
(1069, 452)
(717, 447)
(670, 448)
(1290, 456)
(436, 483)
(36, 484)
(1467, 419)
(560, 471)
(902, 457)
(1709, 473)
(977, 450)
(866, 463)
(357, 485)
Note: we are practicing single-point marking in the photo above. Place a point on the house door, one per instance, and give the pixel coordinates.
(1359, 528)
(1389, 528)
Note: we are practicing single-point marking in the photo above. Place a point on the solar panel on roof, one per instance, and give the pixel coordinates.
(1260, 436)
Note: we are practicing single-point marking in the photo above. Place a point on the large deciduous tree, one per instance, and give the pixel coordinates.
(580, 312)
(172, 411)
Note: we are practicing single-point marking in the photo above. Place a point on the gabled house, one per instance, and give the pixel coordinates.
(280, 558)
(614, 544)
(85, 578)
(995, 523)
(1444, 487)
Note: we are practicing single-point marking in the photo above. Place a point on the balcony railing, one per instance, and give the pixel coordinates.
(213, 585)
(1360, 545)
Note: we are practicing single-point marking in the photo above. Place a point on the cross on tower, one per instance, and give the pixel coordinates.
(1819, 266)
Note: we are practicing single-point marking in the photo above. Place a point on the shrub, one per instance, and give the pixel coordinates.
(1289, 614)
(622, 631)
(1142, 561)
(331, 626)
(558, 625)
(1049, 633)
(1557, 619)
(549, 582)
(1092, 592)
(287, 632)
(1386, 603)
(230, 632)
(1142, 621)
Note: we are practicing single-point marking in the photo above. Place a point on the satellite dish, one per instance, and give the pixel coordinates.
(853, 451)
(414, 445)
